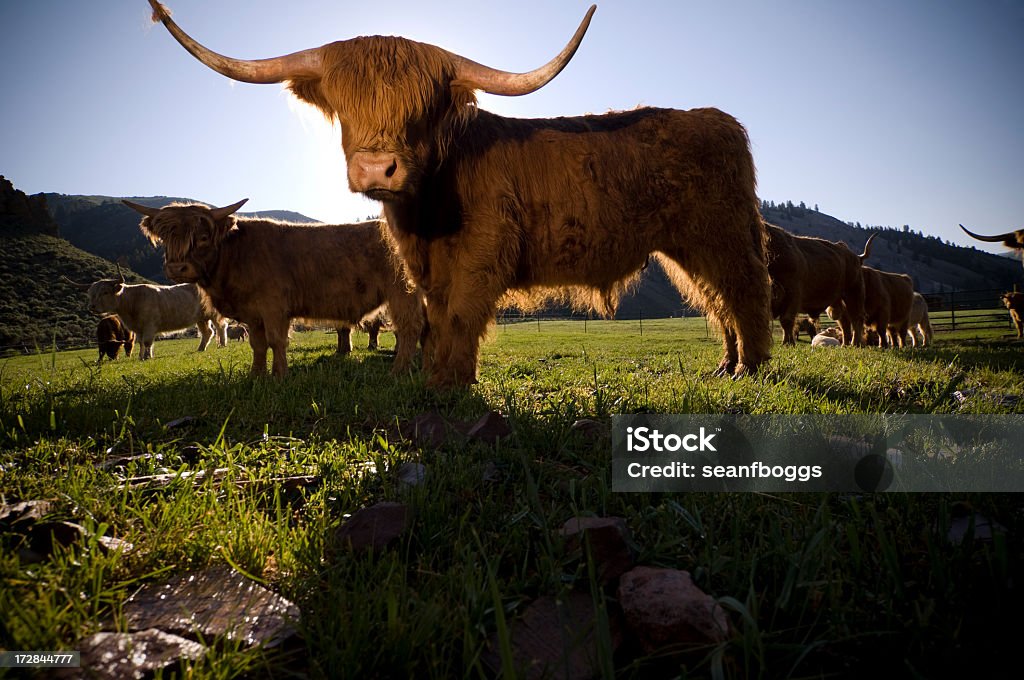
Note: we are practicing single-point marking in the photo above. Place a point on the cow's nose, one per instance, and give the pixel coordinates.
(373, 170)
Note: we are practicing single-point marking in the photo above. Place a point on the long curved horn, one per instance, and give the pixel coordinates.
(1008, 237)
(307, 63)
(867, 247)
(145, 210)
(76, 284)
(221, 213)
(514, 84)
(119, 272)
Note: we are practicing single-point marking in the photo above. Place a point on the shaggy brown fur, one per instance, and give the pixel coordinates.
(811, 274)
(148, 309)
(888, 299)
(265, 273)
(1015, 303)
(480, 204)
(919, 321)
(111, 335)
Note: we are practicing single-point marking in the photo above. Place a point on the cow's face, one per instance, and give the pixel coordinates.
(399, 105)
(191, 236)
(104, 296)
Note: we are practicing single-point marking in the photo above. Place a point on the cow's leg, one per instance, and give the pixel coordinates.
(456, 327)
(258, 342)
(344, 340)
(788, 323)
(129, 343)
(374, 332)
(222, 332)
(735, 291)
(277, 338)
(407, 316)
(100, 359)
(1019, 323)
(205, 334)
(147, 346)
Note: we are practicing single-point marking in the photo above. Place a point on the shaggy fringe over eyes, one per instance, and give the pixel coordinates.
(383, 83)
(177, 234)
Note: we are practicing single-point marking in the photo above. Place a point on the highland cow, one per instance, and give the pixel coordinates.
(1015, 303)
(147, 309)
(811, 274)
(920, 324)
(481, 205)
(888, 299)
(111, 335)
(266, 273)
(238, 331)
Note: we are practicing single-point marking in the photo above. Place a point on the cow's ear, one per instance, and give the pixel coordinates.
(149, 233)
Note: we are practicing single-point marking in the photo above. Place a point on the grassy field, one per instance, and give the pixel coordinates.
(815, 585)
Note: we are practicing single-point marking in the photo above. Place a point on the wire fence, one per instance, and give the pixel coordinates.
(948, 311)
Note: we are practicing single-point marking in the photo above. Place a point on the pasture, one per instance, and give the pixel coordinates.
(815, 585)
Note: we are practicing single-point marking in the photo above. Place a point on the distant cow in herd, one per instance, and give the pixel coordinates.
(148, 309)
(1015, 303)
(111, 336)
(811, 274)
(480, 204)
(238, 331)
(920, 324)
(265, 273)
(888, 299)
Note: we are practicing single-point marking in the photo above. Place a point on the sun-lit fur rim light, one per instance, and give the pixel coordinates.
(264, 273)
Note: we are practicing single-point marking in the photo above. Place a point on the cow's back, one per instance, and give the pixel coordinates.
(549, 197)
(309, 271)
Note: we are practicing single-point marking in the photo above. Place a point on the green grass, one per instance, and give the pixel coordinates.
(816, 585)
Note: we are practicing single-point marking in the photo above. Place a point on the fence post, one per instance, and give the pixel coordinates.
(952, 308)
(641, 322)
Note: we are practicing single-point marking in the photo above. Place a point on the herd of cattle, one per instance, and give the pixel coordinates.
(476, 206)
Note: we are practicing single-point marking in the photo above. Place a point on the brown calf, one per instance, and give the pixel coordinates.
(111, 335)
(265, 273)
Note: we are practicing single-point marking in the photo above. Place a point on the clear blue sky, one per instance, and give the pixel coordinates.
(879, 111)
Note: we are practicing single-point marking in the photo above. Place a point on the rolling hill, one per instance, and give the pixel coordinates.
(37, 307)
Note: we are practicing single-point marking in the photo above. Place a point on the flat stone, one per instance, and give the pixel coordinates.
(556, 638)
(428, 429)
(117, 656)
(374, 528)
(491, 427)
(214, 603)
(663, 608)
(609, 541)
(411, 474)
